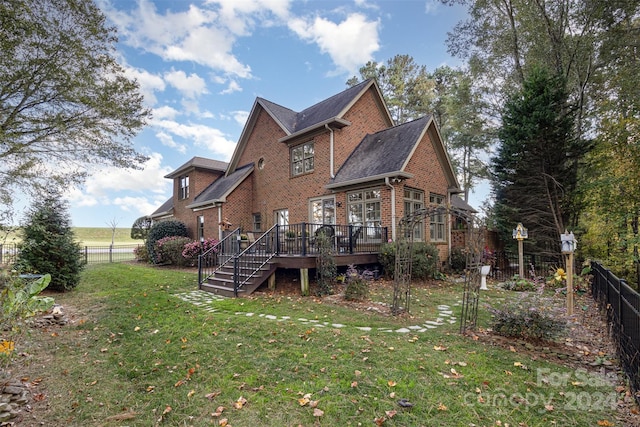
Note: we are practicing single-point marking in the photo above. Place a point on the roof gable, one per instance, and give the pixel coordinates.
(386, 154)
(330, 110)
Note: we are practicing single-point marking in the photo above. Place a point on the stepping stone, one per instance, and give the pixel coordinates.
(431, 322)
(338, 325)
(446, 313)
(364, 328)
(271, 317)
(430, 326)
(443, 307)
(403, 330)
(415, 327)
(249, 314)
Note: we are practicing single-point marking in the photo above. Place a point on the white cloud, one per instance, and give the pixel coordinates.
(149, 83)
(190, 86)
(432, 7)
(165, 112)
(350, 43)
(204, 136)
(240, 117)
(233, 87)
(140, 205)
(167, 141)
(205, 35)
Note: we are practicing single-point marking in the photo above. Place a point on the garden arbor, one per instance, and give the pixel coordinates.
(474, 248)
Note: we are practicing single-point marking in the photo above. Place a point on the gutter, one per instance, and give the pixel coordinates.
(331, 152)
(393, 208)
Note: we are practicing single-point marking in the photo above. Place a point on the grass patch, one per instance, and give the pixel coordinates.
(137, 355)
(92, 236)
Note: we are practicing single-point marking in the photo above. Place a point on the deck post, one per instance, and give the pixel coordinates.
(272, 281)
(304, 281)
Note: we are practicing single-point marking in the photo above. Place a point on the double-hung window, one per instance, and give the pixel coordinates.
(413, 202)
(363, 208)
(184, 187)
(437, 220)
(323, 211)
(302, 157)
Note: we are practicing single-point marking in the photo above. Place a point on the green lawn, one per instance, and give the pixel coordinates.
(138, 355)
(93, 236)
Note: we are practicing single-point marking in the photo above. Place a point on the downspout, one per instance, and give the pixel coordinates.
(331, 166)
(393, 208)
(449, 227)
(220, 221)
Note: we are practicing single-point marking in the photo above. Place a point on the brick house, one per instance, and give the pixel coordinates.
(341, 161)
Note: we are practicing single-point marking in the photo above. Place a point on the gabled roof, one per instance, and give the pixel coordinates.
(200, 163)
(327, 112)
(219, 189)
(382, 154)
(458, 202)
(386, 153)
(166, 209)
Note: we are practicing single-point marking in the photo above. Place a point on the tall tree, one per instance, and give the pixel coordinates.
(65, 102)
(411, 92)
(535, 169)
(610, 184)
(48, 243)
(406, 86)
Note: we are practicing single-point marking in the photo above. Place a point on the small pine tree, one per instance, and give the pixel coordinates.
(48, 243)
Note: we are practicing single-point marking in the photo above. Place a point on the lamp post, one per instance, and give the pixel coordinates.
(568, 244)
(520, 233)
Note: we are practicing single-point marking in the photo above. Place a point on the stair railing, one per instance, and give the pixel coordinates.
(258, 254)
(222, 253)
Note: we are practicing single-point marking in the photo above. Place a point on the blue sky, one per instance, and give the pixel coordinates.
(201, 64)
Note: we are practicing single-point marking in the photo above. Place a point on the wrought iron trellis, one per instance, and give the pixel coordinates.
(474, 247)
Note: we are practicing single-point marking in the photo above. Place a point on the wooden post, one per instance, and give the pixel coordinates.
(521, 258)
(570, 283)
(272, 282)
(304, 281)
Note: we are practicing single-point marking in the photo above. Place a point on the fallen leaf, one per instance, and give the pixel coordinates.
(151, 388)
(303, 401)
(391, 383)
(442, 407)
(439, 348)
(212, 395)
(191, 393)
(605, 423)
(136, 329)
(223, 422)
(548, 407)
(318, 412)
(219, 411)
(354, 384)
(390, 414)
(167, 410)
(379, 421)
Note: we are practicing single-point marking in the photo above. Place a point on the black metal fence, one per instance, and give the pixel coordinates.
(505, 265)
(90, 254)
(621, 304)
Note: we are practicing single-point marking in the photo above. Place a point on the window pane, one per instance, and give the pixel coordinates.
(353, 197)
(308, 164)
(296, 154)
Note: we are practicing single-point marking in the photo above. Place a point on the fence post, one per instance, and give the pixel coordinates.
(86, 255)
(110, 254)
(1, 253)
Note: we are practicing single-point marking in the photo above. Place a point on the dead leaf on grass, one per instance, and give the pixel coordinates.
(318, 412)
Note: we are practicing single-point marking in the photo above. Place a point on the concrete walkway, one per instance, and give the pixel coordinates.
(207, 301)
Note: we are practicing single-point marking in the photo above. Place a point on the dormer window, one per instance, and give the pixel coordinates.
(302, 159)
(184, 187)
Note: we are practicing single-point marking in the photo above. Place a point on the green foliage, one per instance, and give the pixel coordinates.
(424, 260)
(48, 244)
(458, 259)
(142, 253)
(530, 317)
(169, 250)
(19, 300)
(357, 284)
(535, 168)
(140, 228)
(161, 230)
(66, 100)
(519, 284)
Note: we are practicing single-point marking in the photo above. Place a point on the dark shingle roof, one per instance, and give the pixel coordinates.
(200, 163)
(318, 113)
(458, 202)
(164, 209)
(219, 188)
(382, 153)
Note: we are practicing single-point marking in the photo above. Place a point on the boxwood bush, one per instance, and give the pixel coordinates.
(424, 255)
(161, 230)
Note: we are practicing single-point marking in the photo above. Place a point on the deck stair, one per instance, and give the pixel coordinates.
(253, 271)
